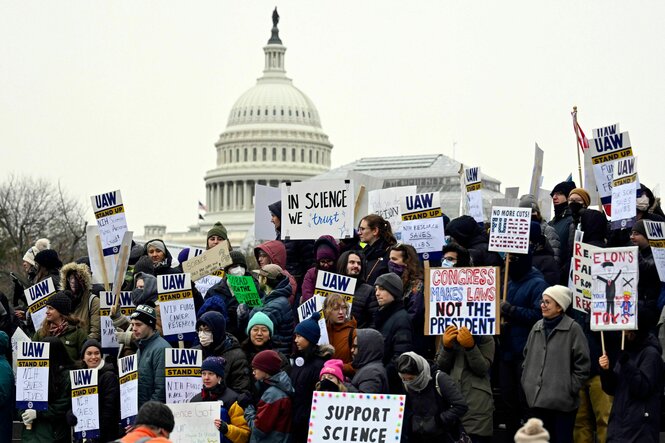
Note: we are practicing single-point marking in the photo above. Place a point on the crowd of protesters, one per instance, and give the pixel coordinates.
(548, 365)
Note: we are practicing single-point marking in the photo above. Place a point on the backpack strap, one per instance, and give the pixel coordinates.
(436, 382)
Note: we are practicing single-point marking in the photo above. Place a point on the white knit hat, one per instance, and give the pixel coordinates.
(532, 432)
(29, 255)
(561, 294)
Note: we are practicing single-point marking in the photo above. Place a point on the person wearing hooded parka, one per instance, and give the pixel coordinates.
(367, 351)
(77, 279)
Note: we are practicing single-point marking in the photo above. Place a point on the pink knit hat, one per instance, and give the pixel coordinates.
(333, 367)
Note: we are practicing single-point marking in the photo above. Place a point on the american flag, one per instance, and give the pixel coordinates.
(203, 207)
(582, 141)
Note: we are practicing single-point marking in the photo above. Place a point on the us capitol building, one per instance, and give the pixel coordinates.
(273, 134)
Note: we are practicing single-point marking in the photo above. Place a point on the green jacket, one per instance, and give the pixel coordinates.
(51, 425)
(151, 369)
(73, 340)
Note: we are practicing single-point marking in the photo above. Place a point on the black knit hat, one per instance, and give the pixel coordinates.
(157, 414)
(61, 301)
(88, 343)
(238, 258)
(48, 259)
(391, 283)
(564, 188)
(145, 314)
(276, 209)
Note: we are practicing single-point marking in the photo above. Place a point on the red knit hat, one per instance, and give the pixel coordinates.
(267, 361)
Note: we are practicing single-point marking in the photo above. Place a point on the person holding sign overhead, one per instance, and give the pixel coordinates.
(62, 324)
(378, 235)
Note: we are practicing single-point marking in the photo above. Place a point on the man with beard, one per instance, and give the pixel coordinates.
(364, 306)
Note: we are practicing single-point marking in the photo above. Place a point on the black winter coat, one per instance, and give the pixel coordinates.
(376, 261)
(364, 305)
(109, 403)
(299, 256)
(544, 261)
(237, 373)
(394, 324)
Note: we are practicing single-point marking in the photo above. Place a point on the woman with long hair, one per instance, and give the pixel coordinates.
(378, 235)
(62, 324)
(341, 330)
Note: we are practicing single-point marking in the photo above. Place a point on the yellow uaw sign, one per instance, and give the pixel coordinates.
(110, 211)
(32, 364)
(179, 295)
(84, 391)
(183, 372)
(129, 377)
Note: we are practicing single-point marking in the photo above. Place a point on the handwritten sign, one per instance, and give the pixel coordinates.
(580, 282)
(128, 371)
(209, 262)
(509, 229)
(462, 297)
(37, 297)
(183, 374)
(17, 337)
(473, 186)
(110, 215)
(244, 290)
(386, 203)
(85, 403)
(32, 375)
(355, 417)
(317, 207)
(194, 422)
(106, 300)
(656, 236)
(614, 295)
(176, 306)
(422, 223)
(624, 190)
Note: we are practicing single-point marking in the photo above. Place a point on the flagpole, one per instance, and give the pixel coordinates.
(577, 138)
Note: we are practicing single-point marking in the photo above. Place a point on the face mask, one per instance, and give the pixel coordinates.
(395, 268)
(205, 338)
(575, 207)
(238, 271)
(643, 203)
(448, 264)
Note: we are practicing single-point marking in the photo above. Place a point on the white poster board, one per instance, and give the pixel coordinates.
(422, 222)
(176, 306)
(509, 229)
(111, 222)
(32, 378)
(183, 374)
(106, 300)
(85, 403)
(352, 417)
(195, 422)
(17, 337)
(263, 197)
(37, 296)
(128, 368)
(473, 186)
(624, 190)
(96, 262)
(656, 236)
(386, 203)
(317, 207)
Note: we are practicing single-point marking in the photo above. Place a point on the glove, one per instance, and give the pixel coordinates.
(245, 400)
(449, 337)
(506, 308)
(223, 427)
(243, 311)
(28, 416)
(465, 338)
(71, 418)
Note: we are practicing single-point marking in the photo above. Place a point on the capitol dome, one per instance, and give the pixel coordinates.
(273, 135)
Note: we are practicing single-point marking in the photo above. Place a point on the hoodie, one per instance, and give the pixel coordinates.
(85, 305)
(277, 253)
(370, 374)
(165, 266)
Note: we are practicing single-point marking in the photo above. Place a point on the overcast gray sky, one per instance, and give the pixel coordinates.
(132, 95)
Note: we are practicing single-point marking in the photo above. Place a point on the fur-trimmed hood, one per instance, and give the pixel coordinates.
(82, 275)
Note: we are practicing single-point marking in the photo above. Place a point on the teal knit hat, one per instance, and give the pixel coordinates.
(260, 319)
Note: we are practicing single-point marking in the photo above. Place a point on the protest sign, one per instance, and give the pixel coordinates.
(244, 290)
(362, 185)
(347, 417)
(310, 306)
(330, 283)
(385, 202)
(194, 422)
(209, 262)
(106, 298)
(204, 283)
(512, 193)
(509, 229)
(110, 215)
(183, 374)
(176, 306)
(317, 207)
(37, 297)
(624, 190)
(656, 236)
(85, 403)
(580, 274)
(122, 262)
(102, 267)
(32, 377)
(422, 223)
(128, 368)
(473, 188)
(614, 295)
(263, 197)
(462, 297)
(537, 172)
(17, 337)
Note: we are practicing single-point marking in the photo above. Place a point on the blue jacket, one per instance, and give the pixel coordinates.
(151, 369)
(276, 306)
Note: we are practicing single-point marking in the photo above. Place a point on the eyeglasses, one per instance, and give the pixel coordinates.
(545, 302)
(450, 258)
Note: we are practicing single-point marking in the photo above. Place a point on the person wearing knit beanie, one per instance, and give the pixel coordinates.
(61, 302)
(216, 235)
(260, 319)
(48, 259)
(145, 314)
(214, 364)
(562, 295)
(532, 432)
(638, 235)
(238, 264)
(183, 255)
(583, 195)
(88, 343)
(563, 188)
(389, 288)
(309, 330)
(267, 361)
(333, 367)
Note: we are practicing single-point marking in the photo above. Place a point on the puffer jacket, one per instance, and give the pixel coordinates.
(85, 305)
(277, 252)
(270, 420)
(151, 369)
(109, 402)
(545, 261)
(370, 374)
(555, 367)
(309, 282)
(470, 368)
(394, 324)
(553, 241)
(276, 306)
(50, 425)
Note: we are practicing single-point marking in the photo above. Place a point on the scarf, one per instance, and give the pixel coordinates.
(57, 330)
(423, 378)
(214, 393)
(550, 323)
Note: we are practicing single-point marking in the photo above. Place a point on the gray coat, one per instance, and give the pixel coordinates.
(470, 369)
(370, 376)
(552, 237)
(555, 368)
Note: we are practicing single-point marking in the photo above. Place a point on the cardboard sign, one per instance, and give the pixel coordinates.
(183, 374)
(624, 190)
(351, 417)
(473, 187)
(422, 223)
(194, 422)
(37, 297)
(110, 215)
(614, 295)
(509, 229)
(244, 290)
(32, 364)
(17, 337)
(656, 236)
(263, 197)
(209, 262)
(106, 300)
(128, 368)
(98, 263)
(386, 203)
(85, 403)
(176, 306)
(580, 282)
(462, 297)
(317, 207)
